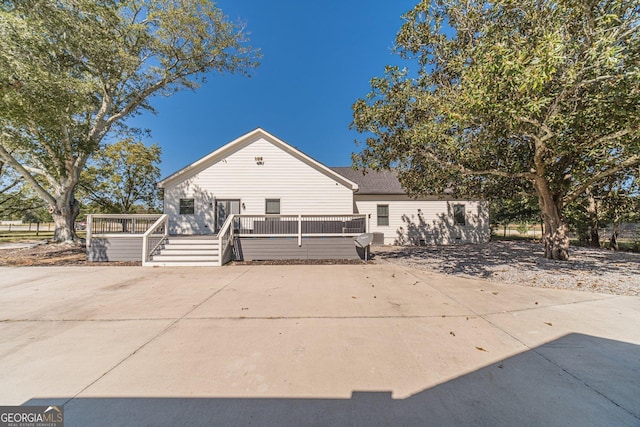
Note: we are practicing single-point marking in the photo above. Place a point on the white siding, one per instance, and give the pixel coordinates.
(414, 222)
(301, 188)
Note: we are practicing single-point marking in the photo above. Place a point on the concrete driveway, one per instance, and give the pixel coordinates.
(374, 344)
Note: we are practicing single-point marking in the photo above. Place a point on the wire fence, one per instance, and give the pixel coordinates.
(30, 227)
(533, 231)
(626, 230)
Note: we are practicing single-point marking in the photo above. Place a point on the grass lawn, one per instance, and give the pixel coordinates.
(628, 245)
(25, 236)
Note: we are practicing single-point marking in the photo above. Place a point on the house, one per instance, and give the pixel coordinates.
(259, 174)
(255, 174)
(397, 219)
(259, 198)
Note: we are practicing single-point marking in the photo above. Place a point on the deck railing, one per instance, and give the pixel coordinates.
(119, 224)
(153, 230)
(299, 225)
(225, 240)
(154, 237)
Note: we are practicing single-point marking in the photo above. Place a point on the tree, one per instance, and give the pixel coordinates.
(517, 206)
(611, 201)
(542, 92)
(122, 174)
(73, 71)
(9, 191)
(16, 201)
(584, 218)
(620, 201)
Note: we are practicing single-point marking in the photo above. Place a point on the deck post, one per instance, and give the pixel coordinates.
(145, 248)
(299, 231)
(88, 230)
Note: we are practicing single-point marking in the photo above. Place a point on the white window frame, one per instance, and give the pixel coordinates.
(266, 205)
(378, 216)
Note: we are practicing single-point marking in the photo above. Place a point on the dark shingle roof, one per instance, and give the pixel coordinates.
(383, 182)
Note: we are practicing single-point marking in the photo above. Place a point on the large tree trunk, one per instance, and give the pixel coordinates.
(64, 215)
(556, 242)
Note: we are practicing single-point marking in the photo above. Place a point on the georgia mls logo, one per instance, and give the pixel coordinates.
(31, 416)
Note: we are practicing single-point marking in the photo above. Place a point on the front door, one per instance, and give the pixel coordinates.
(224, 208)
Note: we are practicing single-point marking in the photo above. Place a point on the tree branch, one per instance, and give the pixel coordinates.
(630, 162)
(27, 176)
(14, 183)
(611, 136)
(35, 171)
(66, 140)
(144, 94)
(107, 103)
(462, 169)
(487, 172)
(97, 198)
(135, 102)
(52, 154)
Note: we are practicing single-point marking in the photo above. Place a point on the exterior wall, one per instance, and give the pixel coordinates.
(301, 188)
(103, 249)
(415, 222)
(250, 249)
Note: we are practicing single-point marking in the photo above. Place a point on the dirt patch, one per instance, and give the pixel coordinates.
(50, 254)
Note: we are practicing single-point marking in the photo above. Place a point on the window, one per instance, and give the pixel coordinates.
(187, 207)
(383, 214)
(459, 215)
(272, 207)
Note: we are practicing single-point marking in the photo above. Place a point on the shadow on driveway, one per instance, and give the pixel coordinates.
(574, 380)
(482, 260)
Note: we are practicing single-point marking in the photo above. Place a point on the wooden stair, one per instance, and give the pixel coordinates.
(188, 251)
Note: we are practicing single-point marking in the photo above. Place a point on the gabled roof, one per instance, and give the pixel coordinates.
(382, 182)
(248, 138)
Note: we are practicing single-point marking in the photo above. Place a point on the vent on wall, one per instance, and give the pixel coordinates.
(378, 239)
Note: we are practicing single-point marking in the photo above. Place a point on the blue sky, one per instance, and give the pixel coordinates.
(318, 58)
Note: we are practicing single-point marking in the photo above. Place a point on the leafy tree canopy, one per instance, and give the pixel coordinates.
(121, 175)
(538, 94)
(72, 71)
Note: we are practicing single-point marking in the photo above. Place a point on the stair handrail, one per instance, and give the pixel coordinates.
(160, 222)
(225, 238)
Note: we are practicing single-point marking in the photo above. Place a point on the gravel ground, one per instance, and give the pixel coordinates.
(523, 263)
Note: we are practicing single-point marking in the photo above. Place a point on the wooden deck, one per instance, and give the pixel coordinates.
(243, 238)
